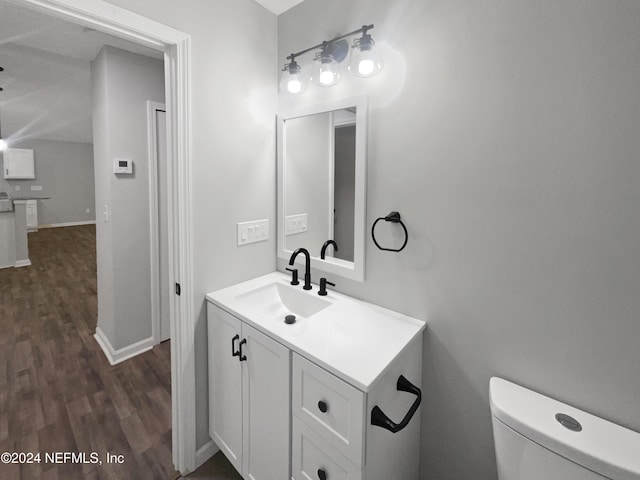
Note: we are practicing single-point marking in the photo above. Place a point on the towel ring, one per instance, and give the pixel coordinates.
(393, 217)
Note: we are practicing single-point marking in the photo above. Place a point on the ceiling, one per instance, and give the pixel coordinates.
(47, 80)
(278, 6)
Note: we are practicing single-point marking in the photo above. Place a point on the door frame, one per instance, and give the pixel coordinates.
(176, 46)
(154, 209)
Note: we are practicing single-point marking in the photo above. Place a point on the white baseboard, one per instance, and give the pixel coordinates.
(23, 263)
(68, 224)
(116, 356)
(205, 452)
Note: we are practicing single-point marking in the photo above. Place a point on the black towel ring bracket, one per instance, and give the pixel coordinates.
(393, 217)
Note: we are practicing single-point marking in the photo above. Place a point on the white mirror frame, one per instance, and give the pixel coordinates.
(352, 270)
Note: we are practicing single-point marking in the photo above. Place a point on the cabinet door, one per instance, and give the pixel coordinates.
(18, 163)
(266, 406)
(32, 214)
(225, 384)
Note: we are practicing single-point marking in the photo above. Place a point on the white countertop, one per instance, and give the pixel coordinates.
(353, 339)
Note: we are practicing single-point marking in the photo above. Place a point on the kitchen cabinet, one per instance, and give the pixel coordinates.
(18, 164)
(249, 395)
(32, 214)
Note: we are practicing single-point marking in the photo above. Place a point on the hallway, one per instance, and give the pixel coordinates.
(58, 392)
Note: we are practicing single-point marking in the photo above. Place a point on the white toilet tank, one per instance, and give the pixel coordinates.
(538, 438)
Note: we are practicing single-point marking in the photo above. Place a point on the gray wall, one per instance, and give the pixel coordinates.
(307, 162)
(65, 172)
(345, 184)
(506, 134)
(233, 146)
(123, 82)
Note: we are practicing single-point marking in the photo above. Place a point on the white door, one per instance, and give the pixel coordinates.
(225, 384)
(163, 230)
(266, 406)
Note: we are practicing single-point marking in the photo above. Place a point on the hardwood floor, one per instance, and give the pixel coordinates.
(216, 468)
(58, 392)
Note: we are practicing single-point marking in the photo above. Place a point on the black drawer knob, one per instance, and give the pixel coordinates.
(323, 407)
(322, 475)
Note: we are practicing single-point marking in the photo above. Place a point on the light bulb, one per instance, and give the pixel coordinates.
(326, 74)
(294, 85)
(366, 66)
(3, 145)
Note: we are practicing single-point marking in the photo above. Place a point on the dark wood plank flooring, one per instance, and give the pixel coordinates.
(216, 468)
(58, 392)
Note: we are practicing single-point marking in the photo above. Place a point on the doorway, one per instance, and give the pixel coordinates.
(176, 48)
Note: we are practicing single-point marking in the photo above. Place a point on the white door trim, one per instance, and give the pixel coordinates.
(154, 234)
(122, 23)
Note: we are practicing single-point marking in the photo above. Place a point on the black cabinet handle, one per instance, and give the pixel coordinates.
(378, 417)
(322, 406)
(322, 475)
(234, 352)
(242, 356)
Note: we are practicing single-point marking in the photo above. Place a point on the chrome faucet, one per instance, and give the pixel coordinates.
(307, 266)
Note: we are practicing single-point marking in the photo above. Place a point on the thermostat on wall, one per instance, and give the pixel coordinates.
(122, 166)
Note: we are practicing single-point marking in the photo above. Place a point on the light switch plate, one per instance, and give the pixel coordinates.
(254, 231)
(295, 224)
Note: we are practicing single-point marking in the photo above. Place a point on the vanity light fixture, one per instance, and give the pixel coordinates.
(365, 61)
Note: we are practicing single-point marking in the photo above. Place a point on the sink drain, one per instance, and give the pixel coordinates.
(290, 319)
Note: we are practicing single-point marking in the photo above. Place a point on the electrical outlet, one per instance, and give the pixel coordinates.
(251, 232)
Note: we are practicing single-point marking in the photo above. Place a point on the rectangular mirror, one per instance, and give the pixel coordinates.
(322, 183)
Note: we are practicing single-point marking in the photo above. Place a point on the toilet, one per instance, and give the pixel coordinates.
(538, 438)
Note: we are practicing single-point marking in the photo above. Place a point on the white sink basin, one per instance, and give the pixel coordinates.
(353, 339)
(277, 300)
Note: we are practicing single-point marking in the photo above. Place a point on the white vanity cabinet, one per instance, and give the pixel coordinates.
(333, 395)
(249, 397)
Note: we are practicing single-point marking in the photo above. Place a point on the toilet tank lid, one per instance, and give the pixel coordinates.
(601, 446)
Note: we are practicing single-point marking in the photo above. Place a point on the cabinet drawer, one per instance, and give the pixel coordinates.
(314, 459)
(332, 408)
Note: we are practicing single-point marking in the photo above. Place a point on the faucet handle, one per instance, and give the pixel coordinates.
(323, 286)
(294, 276)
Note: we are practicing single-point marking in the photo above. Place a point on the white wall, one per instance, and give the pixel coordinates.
(233, 146)
(64, 170)
(123, 83)
(506, 134)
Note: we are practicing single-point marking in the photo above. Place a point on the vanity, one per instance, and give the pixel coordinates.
(306, 383)
(335, 394)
